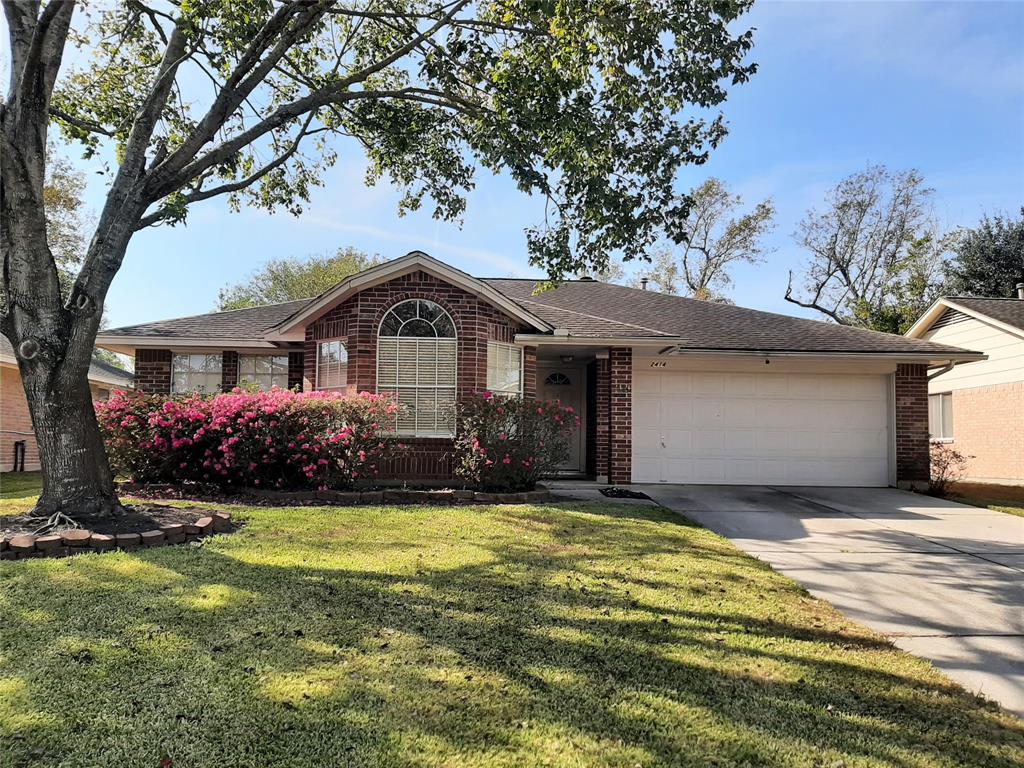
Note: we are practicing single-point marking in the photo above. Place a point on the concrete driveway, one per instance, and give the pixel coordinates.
(944, 581)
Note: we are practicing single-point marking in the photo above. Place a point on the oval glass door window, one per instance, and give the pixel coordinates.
(557, 379)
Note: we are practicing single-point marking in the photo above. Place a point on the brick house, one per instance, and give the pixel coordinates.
(670, 389)
(15, 420)
(978, 407)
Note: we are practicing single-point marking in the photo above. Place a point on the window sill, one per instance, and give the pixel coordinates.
(942, 440)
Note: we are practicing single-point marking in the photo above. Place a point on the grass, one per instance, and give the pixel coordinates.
(999, 505)
(562, 635)
(20, 490)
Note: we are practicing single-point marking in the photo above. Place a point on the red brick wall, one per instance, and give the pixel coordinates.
(988, 425)
(602, 420)
(912, 460)
(228, 370)
(621, 416)
(153, 371)
(356, 321)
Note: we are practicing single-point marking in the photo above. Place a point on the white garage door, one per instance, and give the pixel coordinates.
(760, 428)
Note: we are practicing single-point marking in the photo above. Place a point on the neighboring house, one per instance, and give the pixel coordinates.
(978, 407)
(669, 389)
(15, 421)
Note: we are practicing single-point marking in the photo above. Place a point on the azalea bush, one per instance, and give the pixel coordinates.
(508, 444)
(278, 439)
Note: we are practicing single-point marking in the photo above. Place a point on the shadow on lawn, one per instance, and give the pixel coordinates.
(572, 647)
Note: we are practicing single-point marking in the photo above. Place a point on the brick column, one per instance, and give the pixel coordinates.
(228, 370)
(913, 464)
(602, 406)
(620, 471)
(296, 369)
(153, 371)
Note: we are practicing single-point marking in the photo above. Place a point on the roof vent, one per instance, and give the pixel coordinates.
(1020, 291)
(587, 279)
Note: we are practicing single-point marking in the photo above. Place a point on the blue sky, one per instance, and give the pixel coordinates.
(934, 86)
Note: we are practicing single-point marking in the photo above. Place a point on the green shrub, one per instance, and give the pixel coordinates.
(507, 444)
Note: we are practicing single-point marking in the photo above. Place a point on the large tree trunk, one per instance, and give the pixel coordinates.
(76, 475)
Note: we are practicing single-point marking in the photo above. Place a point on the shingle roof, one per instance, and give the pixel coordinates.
(249, 323)
(1009, 311)
(596, 309)
(592, 309)
(98, 369)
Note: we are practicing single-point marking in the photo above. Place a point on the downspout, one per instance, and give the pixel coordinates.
(950, 364)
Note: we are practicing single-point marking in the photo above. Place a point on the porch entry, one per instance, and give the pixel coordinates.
(567, 383)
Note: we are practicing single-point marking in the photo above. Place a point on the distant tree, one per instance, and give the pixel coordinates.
(988, 260)
(874, 255)
(295, 278)
(716, 236)
(65, 217)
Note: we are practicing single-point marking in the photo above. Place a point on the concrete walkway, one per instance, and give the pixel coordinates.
(944, 581)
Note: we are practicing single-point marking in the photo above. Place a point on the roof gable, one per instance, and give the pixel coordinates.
(1006, 314)
(292, 327)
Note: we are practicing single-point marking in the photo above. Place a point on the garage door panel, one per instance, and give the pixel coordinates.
(771, 385)
(647, 411)
(647, 382)
(647, 443)
(677, 412)
(706, 383)
(762, 428)
(677, 384)
(708, 412)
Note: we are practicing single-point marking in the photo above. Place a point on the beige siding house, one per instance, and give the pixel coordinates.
(978, 407)
(18, 448)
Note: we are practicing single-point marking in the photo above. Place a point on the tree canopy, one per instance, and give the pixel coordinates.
(988, 259)
(717, 235)
(293, 278)
(874, 254)
(592, 106)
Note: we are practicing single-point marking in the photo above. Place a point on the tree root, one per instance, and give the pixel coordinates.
(57, 519)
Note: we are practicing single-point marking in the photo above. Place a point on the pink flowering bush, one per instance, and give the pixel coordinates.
(278, 439)
(507, 444)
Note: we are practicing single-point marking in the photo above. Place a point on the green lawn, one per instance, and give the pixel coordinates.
(568, 635)
(20, 486)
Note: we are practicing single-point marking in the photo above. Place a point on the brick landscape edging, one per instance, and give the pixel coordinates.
(343, 498)
(402, 496)
(76, 541)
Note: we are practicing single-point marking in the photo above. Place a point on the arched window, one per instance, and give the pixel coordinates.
(416, 361)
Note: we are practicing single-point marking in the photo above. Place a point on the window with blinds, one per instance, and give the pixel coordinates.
(504, 369)
(264, 371)
(416, 362)
(196, 373)
(331, 365)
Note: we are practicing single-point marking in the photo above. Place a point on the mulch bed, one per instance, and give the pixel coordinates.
(623, 493)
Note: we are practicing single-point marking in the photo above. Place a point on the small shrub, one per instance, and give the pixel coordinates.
(508, 444)
(948, 466)
(277, 439)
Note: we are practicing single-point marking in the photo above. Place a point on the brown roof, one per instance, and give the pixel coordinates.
(99, 370)
(596, 309)
(248, 323)
(592, 309)
(1009, 311)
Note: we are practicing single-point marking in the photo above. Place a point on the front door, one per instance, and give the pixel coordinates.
(566, 383)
